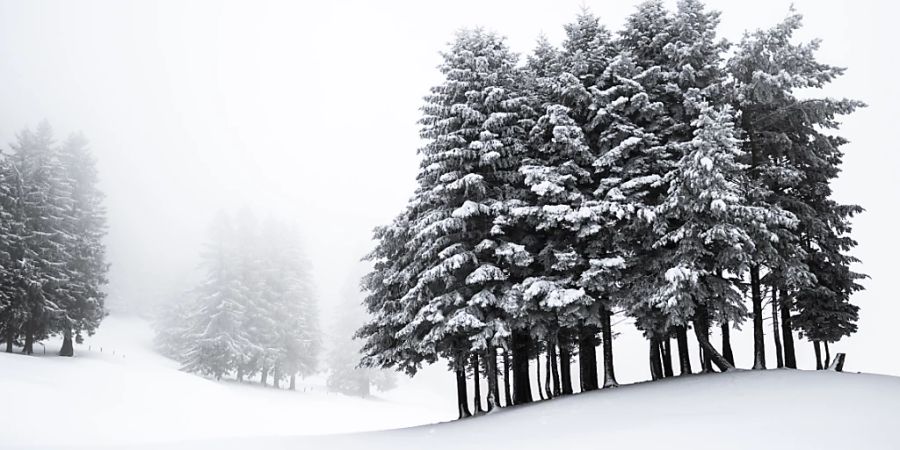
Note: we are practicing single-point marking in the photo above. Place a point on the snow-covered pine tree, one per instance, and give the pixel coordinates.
(12, 298)
(84, 306)
(46, 207)
(216, 340)
(793, 160)
(452, 275)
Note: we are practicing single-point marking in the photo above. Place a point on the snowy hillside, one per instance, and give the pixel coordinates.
(137, 399)
(128, 394)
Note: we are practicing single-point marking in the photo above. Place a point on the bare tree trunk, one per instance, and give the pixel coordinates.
(655, 365)
(609, 372)
(547, 391)
(537, 361)
(506, 384)
(790, 357)
(818, 355)
(726, 343)
(493, 400)
(293, 385)
(565, 362)
(587, 361)
(276, 378)
(759, 343)
(827, 355)
(521, 343)
(705, 363)
(779, 358)
(554, 367)
(667, 357)
(462, 397)
(240, 374)
(476, 381)
(10, 338)
(28, 347)
(684, 358)
(264, 379)
(701, 321)
(67, 348)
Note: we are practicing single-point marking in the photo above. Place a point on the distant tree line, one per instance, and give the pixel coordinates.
(253, 314)
(52, 257)
(658, 172)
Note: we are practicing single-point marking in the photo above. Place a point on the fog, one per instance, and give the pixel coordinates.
(308, 110)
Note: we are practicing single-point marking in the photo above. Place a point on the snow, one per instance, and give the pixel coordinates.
(137, 399)
(129, 394)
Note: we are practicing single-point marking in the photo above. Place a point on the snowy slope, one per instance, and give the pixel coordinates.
(130, 394)
(138, 399)
(778, 409)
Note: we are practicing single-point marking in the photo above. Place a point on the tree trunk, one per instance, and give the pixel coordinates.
(667, 357)
(726, 343)
(779, 358)
(547, 391)
(655, 365)
(276, 378)
(537, 360)
(506, 384)
(587, 361)
(476, 381)
(28, 347)
(759, 344)
(293, 385)
(462, 397)
(67, 349)
(684, 358)
(790, 357)
(701, 321)
(703, 327)
(827, 355)
(240, 374)
(264, 379)
(10, 339)
(493, 398)
(554, 367)
(818, 355)
(521, 343)
(565, 362)
(609, 372)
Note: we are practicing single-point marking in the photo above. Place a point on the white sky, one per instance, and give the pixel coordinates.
(310, 109)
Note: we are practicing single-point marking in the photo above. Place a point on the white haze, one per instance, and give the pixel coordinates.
(309, 110)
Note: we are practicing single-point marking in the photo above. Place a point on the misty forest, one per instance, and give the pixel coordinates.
(652, 180)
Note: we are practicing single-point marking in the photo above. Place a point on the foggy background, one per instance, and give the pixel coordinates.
(309, 110)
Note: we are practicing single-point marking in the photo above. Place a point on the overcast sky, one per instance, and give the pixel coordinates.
(309, 109)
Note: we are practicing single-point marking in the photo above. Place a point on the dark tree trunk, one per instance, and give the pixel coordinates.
(276, 378)
(818, 355)
(476, 381)
(827, 355)
(521, 343)
(703, 327)
(554, 367)
(565, 363)
(293, 385)
(609, 372)
(684, 358)
(462, 396)
(655, 364)
(701, 322)
(667, 357)
(506, 385)
(493, 400)
(67, 349)
(790, 357)
(548, 392)
(759, 343)
(726, 343)
(537, 364)
(779, 358)
(264, 379)
(587, 361)
(28, 347)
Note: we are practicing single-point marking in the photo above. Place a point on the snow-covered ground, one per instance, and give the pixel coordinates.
(129, 396)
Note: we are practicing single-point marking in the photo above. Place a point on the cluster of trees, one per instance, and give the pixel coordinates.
(254, 313)
(659, 172)
(52, 257)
